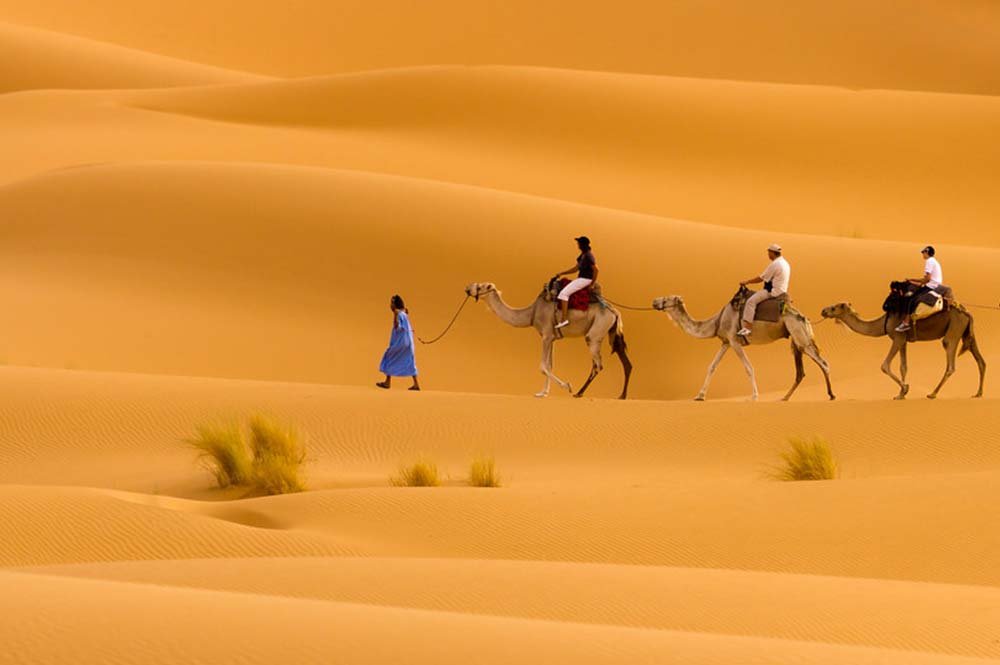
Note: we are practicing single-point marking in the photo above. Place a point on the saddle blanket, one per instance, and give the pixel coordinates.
(771, 309)
(583, 298)
(927, 306)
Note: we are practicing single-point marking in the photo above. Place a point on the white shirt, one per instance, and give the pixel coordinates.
(778, 274)
(933, 268)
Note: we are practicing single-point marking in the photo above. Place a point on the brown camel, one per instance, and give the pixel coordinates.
(726, 323)
(951, 327)
(593, 325)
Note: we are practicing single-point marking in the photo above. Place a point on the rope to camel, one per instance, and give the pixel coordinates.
(450, 323)
(634, 309)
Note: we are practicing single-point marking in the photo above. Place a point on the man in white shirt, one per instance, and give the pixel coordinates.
(932, 279)
(775, 278)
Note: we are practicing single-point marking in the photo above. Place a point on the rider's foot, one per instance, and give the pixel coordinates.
(743, 332)
(562, 324)
(903, 327)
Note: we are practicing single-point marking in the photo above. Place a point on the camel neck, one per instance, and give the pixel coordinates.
(870, 327)
(517, 317)
(703, 329)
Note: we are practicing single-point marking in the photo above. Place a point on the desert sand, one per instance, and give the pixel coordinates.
(204, 209)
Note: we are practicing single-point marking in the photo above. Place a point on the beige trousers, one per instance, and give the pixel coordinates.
(751, 307)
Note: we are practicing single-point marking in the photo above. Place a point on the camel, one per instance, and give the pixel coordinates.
(951, 327)
(726, 323)
(593, 325)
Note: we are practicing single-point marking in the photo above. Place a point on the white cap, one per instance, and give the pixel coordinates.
(775, 247)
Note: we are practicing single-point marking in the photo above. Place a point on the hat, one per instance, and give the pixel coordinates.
(929, 249)
(774, 247)
(583, 240)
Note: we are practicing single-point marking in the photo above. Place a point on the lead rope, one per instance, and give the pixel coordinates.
(634, 309)
(450, 324)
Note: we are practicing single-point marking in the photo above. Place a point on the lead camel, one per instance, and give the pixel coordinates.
(594, 325)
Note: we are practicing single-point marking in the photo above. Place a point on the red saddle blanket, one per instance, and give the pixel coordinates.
(579, 300)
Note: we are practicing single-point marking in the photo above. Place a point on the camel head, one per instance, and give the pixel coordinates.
(479, 289)
(668, 302)
(838, 311)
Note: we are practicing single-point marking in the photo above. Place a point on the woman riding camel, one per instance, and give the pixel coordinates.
(586, 269)
(929, 282)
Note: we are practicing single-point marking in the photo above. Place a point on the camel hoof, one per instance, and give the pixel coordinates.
(699, 398)
(977, 396)
(932, 396)
(900, 397)
(833, 397)
(541, 395)
(905, 390)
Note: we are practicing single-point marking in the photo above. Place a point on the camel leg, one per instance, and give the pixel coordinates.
(547, 369)
(887, 368)
(951, 350)
(596, 365)
(800, 372)
(544, 366)
(700, 397)
(903, 366)
(619, 348)
(749, 368)
(974, 348)
(813, 352)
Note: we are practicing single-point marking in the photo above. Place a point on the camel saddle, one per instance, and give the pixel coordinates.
(769, 311)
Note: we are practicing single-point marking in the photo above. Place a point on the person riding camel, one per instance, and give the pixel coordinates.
(775, 278)
(931, 280)
(586, 269)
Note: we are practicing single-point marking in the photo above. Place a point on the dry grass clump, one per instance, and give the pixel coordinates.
(269, 461)
(483, 473)
(222, 450)
(421, 473)
(806, 459)
(278, 455)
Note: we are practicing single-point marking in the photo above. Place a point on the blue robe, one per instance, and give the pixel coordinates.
(398, 359)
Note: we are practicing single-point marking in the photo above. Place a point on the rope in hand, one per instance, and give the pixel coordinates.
(450, 324)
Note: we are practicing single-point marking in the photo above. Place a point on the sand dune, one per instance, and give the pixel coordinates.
(38, 59)
(859, 612)
(189, 233)
(195, 268)
(262, 629)
(886, 165)
(923, 45)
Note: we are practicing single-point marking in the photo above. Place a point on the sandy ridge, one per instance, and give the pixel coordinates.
(831, 610)
(39, 59)
(356, 632)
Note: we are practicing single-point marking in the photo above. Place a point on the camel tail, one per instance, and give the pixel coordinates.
(617, 331)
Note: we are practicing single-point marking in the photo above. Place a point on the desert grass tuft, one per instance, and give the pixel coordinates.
(806, 459)
(421, 473)
(223, 451)
(483, 473)
(278, 455)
